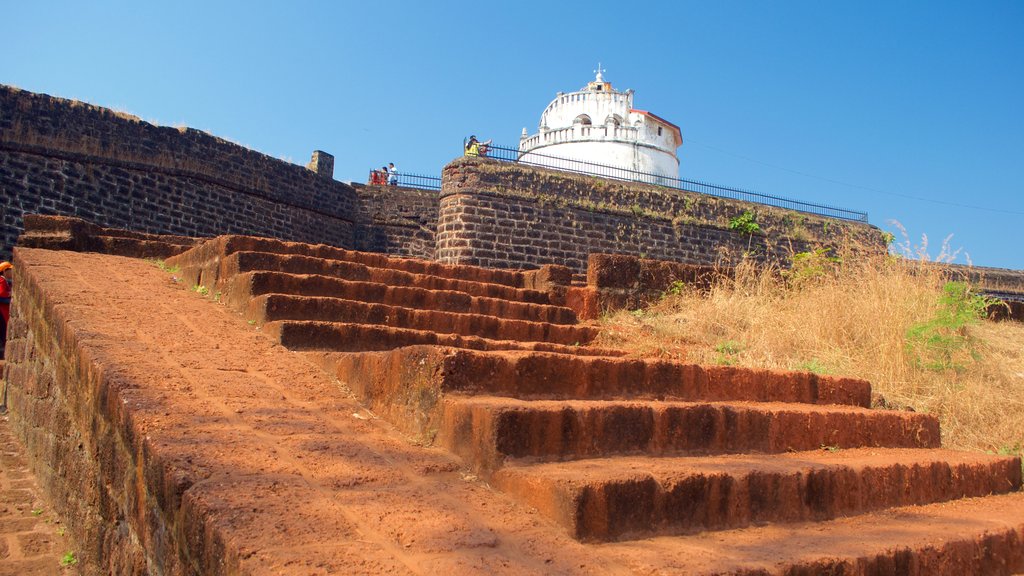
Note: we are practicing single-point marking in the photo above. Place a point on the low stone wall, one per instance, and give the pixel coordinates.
(987, 278)
(511, 216)
(620, 281)
(77, 235)
(81, 445)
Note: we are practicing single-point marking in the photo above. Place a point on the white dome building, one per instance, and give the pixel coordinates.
(598, 125)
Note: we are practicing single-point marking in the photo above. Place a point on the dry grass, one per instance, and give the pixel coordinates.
(852, 320)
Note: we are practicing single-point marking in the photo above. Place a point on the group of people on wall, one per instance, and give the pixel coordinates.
(387, 175)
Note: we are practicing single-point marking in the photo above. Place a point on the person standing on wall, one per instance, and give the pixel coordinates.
(475, 147)
(392, 175)
(6, 271)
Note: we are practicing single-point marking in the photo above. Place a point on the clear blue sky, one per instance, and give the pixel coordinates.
(911, 111)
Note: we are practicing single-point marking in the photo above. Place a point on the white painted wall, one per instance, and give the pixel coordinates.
(616, 137)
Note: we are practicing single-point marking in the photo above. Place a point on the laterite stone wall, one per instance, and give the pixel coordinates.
(63, 157)
(511, 216)
(81, 446)
(397, 220)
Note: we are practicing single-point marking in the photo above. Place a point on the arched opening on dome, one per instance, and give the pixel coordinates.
(582, 119)
(613, 120)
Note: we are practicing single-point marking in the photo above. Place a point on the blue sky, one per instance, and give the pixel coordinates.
(911, 111)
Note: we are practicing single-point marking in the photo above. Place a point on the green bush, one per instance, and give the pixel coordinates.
(943, 343)
(745, 223)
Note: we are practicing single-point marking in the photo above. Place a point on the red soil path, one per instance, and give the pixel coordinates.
(290, 472)
(277, 470)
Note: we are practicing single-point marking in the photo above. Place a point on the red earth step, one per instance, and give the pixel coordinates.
(215, 249)
(485, 431)
(271, 307)
(971, 536)
(301, 335)
(241, 288)
(632, 497)
(539, 375)
(240, 262)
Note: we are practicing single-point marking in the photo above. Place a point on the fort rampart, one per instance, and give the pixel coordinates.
(64, 157)
(494, 213)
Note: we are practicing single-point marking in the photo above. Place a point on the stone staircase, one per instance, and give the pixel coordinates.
(328, 299)
(662, 456)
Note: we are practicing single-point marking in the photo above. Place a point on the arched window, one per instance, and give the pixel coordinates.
(582, 119)
(613, 120)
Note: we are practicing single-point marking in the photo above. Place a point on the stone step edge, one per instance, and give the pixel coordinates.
(274, 307)
(982, 536)
(385, 378)
(221, 246)
(487, 431)
(622, 498)
(234, 263)
(301, 335)
(242, 287)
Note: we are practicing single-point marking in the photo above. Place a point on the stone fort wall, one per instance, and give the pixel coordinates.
(496, 214)
(67, 158)
(397, 220)
(63, 157)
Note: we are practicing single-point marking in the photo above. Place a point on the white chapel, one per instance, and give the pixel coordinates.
(598, 125)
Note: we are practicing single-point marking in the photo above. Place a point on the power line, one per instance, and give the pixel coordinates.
(858, 186)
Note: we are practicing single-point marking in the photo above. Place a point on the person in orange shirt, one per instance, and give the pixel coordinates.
(6, 269)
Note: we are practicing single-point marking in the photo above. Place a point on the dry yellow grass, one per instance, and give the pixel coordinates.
(851, 320)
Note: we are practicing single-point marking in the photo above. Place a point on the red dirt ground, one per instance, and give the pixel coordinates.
(297, 478)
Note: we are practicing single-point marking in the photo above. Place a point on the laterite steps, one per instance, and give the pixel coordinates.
(969, 536)
(359, 337)
(486, 431)
(271, 307)
(240, 262)
(534, 376)
(636, 497)
(249, 284)
(328, 299)
(710, 469)
(208, 256)
(689, 463)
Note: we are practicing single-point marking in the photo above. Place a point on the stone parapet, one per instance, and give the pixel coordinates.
(513, 216)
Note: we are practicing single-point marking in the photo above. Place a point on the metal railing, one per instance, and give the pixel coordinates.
(421, 181)
(506, 154)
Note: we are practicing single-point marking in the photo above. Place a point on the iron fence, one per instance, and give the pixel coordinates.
(420, 181)
(506, 154)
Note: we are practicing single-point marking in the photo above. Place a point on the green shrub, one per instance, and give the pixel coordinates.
(727, 352)
(943, 343)
(745, 223)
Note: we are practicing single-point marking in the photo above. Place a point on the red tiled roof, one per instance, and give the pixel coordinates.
(679, 134)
